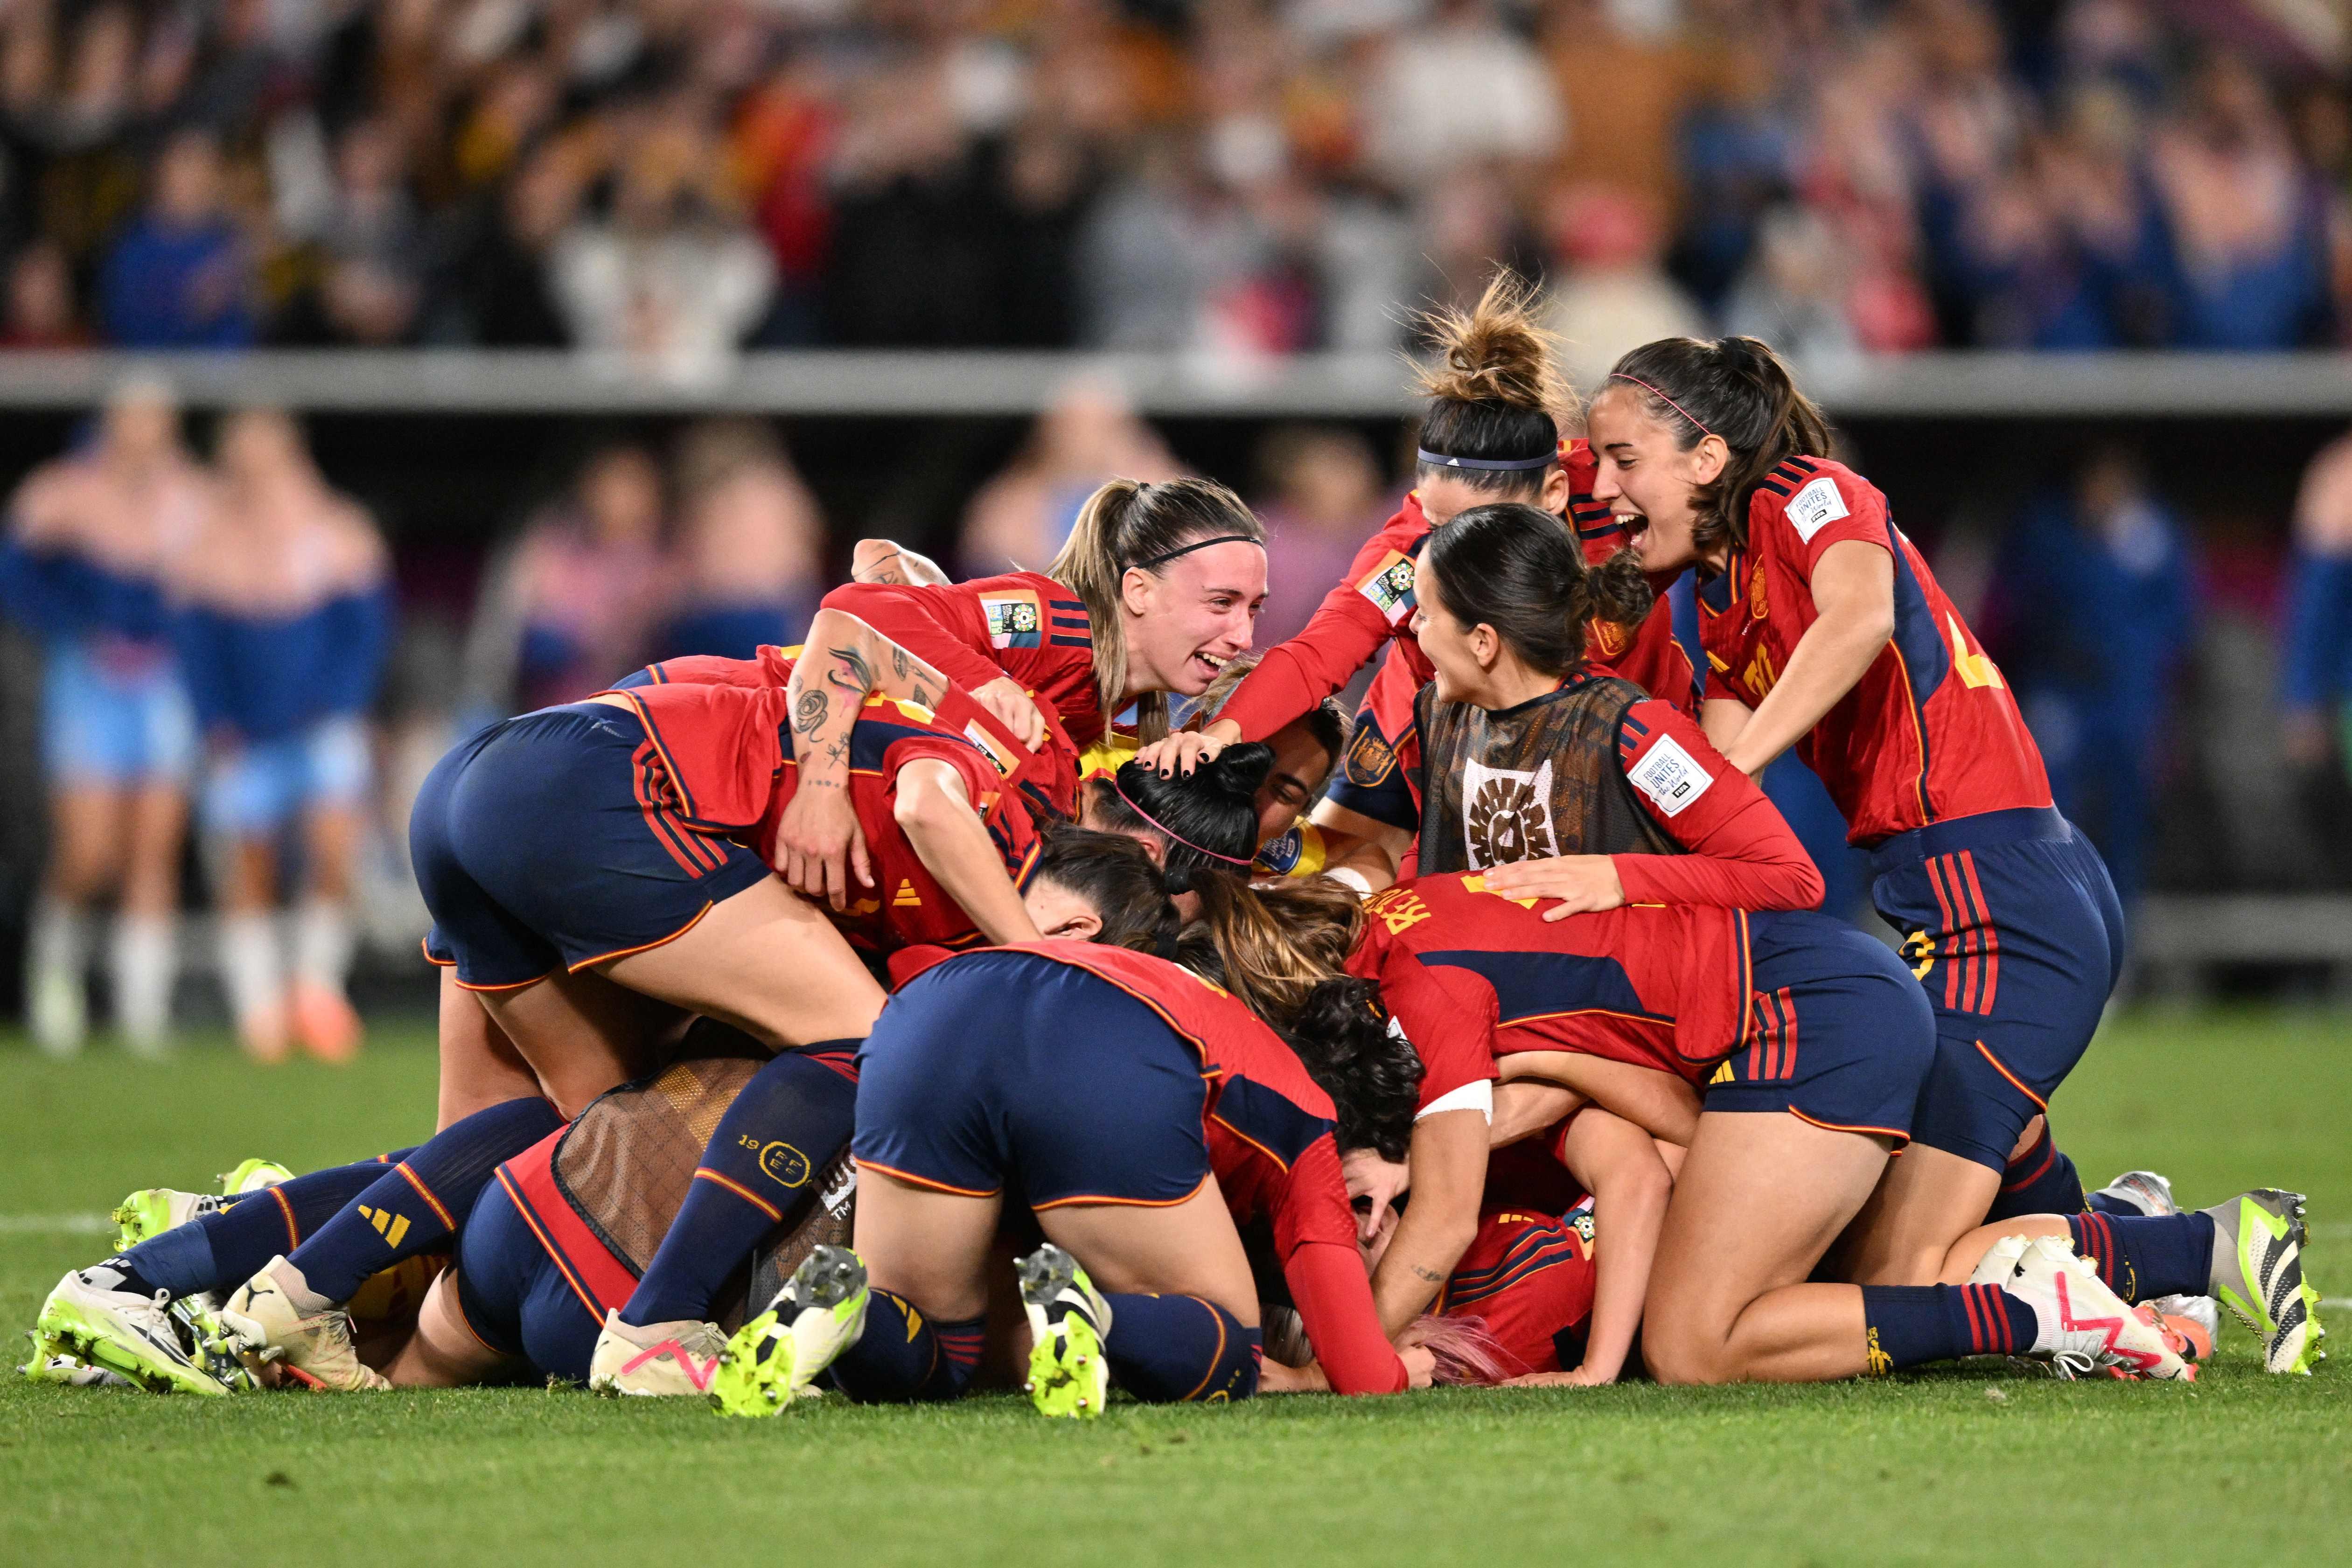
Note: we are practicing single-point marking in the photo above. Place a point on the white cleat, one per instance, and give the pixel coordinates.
(2080, 1324)
(2144, 1190)
(125, 1333)
(774, 1360)
(275, 1319)
(658, 1361)
(1999, 1265)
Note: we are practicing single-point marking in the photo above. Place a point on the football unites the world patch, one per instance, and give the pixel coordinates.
(1015, 619)
(1389, 586)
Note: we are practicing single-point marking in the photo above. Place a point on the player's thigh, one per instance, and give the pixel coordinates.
(766, 960)
(1927, 1200)
(1188, 1248)
(928, 1247)
(581, 1034)
(443, 1353)
(1760, 1197)
(479, 1065)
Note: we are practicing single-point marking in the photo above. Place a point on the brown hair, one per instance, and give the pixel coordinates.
(1734, 388)
(1512, 567)
(1123, 527)
(1494, 389)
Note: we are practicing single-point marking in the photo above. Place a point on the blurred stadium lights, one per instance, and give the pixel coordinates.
(948, 383)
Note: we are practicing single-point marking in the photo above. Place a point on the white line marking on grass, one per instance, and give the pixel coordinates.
(2331, 1302)
(55, 1224)
(2333, 1230)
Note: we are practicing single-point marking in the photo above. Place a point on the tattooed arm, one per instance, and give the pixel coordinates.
(818, 842)
(887, 561)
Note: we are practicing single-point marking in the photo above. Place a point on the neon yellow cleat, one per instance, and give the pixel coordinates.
(127, 1333)
(1069, 1374)
(252, 1176)
(774, 1360)
(2258, 1241)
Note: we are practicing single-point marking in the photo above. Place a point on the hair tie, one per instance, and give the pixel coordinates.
(1162, 559)
(1621, 376)
(1171, 832)
(1487, 465)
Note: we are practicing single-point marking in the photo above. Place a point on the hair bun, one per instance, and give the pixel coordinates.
(1176, 880)
(1239, 769)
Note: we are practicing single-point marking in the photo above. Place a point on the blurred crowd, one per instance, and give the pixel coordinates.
(671, 179)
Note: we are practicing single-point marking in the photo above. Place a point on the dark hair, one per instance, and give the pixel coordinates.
(1214, 810)
(1129, 524)
(1282, 950)
(1735, 388)
(1512, 567)
(1326, 721)
(1115, 874)
(1494, 391)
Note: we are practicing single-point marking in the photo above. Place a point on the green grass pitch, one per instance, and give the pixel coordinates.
(1943, 1465)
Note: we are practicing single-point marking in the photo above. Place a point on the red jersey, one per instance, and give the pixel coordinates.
(1931, 730)
(1528, 1277)
(1269, 1133)
(1471, 976)
(724, 756)
(1023, 624)
(1742, 853)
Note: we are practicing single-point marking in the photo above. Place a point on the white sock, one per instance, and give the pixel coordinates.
(249, 966)
(145, 961)
(323, 940)
(56, 953)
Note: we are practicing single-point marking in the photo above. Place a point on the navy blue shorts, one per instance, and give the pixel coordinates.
(1006, 1072)
(513, 1296)
(1838, 1032)
(2012, 926)
(542, 843)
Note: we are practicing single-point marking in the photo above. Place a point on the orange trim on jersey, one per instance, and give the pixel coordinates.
(1919, 722)
(924, 1182)
(2012, 1078)
(1214, 1360)
(554, 1253)
(1281, 1164)
(293, 1231)
(459, 1300)
(439, 1211)
(424, 945)
(704, 1173)
(1585, 1012)
(1897, 1134)
(1097, 1200)
(511, 985)
(648, 947)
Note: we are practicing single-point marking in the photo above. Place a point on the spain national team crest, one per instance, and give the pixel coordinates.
(1014, 620)
(1370, 758)
(1506, 814)
(1607, 639)
(1390, 588)
(1758, 605)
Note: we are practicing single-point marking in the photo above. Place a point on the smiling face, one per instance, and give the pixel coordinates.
(1189, 619)
(1463, 655)
(1300, 765)
(1648, 484)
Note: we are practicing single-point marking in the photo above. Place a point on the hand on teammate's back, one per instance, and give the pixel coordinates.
(1003, 697)
(1583, 884)
(819, 842)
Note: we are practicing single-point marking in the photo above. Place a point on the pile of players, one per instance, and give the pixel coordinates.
(873, 1015)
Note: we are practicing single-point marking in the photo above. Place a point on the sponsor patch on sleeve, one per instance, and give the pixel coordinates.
(1670, 777)
(1389, 586)
(1815, 506)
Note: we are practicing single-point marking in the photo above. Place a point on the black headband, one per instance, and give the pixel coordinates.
(1488, 464)
(1196, 544)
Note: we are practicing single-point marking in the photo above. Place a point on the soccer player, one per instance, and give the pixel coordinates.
(90, 540)
(284, 626)
(1824, 629)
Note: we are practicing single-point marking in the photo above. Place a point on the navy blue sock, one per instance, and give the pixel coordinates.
(1181, 1349)
(222, 1249)
(2042, 1180)
(1908, 1324)
(2142, 1257)
(758, 1171)
(903, 1356)
(417, 1206)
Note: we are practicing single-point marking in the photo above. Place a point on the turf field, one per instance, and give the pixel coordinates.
(1950, 1465)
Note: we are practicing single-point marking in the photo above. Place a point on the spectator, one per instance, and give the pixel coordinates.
(1615, 295)
(374, 249)
(750, 558)
(181, 276)
(1463, 89)
(1327, 499)
(2318, 658)
(40, 300)
(1020, 519)
(1792, 293)
(284, 625)
(497, 287)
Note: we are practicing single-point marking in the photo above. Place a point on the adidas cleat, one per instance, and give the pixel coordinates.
(50, 1364)
(152, 1210)
(658, 1361)
(253, 1176)
(273, 1319)
(2258, 1239)
(1069, 1373)
(2082, 1325)
(774, 1359)
(125, 1333)
(2144, 1191)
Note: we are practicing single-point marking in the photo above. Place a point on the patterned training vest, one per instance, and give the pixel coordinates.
(1523, 783)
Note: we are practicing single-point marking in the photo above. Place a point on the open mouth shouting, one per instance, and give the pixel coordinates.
(1207, 665)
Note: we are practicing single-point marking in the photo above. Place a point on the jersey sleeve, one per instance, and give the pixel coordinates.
(1829, 508)
(1372, 603)
(1447, 1014)
(1315, 1234)
(940, 626)
(700, 669)
(1743, 854)
(1377, 773)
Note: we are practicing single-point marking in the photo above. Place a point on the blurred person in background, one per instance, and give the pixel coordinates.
(371, 245)
(91, 540)
(571, 604)
(1614, 294)
(2094, 599)
(181, 276)
(1461, 90)
(1791, 293)
(40, 311)
(284, 624)
(750, 556)
(1327, 495)
(2318, 658)
(1089, 434)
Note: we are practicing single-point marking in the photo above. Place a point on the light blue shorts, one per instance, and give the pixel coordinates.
(263, 786)
(116, 720)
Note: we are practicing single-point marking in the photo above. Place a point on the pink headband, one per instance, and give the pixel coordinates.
(1621, 376)
(1171, 832)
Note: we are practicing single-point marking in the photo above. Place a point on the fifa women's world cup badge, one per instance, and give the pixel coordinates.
(1014, 620)
(1389, 586)
(1506, 814)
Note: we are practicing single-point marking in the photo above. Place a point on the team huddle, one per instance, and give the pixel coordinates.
(911, 1011)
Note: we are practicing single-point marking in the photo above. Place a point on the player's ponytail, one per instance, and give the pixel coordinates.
(1512, 567)
(1498, 400)
(1204, 821)
(1131, 526)
(1739, 390)
(1117, 876)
